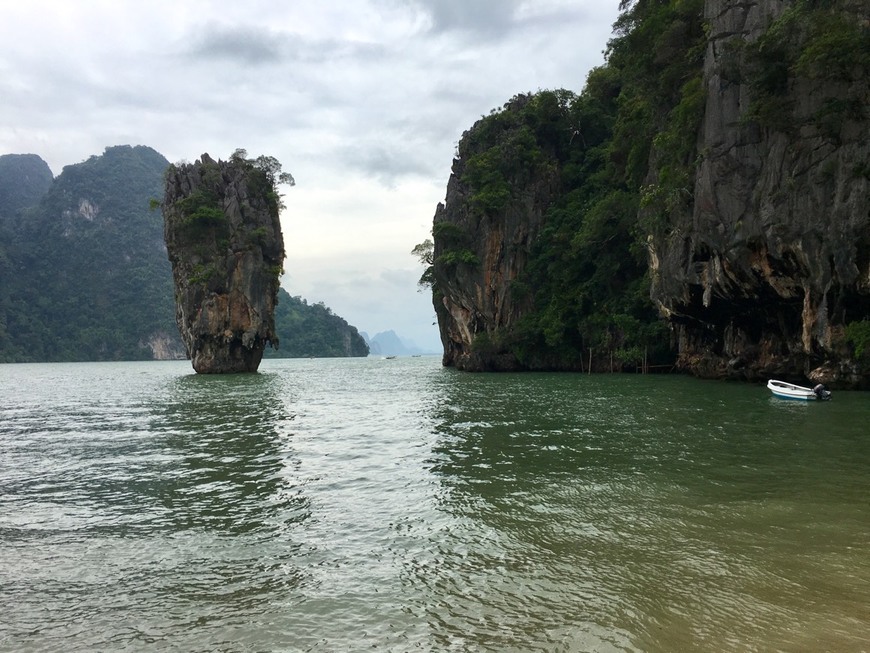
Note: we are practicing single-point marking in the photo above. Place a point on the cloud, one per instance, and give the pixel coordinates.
(488, 17)
(362, 102)
(497, 19)
(387, 162)
(257, 45)
(243, 44)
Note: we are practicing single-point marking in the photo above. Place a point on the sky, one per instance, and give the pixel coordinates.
(362, 101)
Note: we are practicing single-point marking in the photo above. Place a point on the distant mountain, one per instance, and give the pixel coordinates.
(388, 343)
(24, 180)
(89, 278)
(84, 273)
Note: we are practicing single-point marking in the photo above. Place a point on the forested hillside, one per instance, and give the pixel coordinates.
(313, 330)
(84, 274)
(24, 180)
(89, 278)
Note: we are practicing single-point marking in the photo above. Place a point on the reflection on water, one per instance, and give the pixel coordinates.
(526, 467)
(625, 514)
(230, 473)
(395, 505)
(229, 497)
(150, 507)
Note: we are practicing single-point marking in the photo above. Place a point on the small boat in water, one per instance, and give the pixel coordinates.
(792, 391)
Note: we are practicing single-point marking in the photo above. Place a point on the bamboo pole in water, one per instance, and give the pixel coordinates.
(590, 360)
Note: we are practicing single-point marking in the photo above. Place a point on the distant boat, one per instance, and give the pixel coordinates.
(389, 358)
(791, 391)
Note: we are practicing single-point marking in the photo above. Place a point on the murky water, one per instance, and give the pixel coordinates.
(368, 504)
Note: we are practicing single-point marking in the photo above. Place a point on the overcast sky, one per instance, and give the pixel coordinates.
(362, 101)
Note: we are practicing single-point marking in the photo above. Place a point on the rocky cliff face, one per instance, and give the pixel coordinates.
(761, 277)
(226, 248)
(482, 234)
(746, 172)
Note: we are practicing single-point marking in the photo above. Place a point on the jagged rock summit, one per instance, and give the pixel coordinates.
(224, 241)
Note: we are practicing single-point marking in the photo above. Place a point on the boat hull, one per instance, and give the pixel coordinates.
(785, 390)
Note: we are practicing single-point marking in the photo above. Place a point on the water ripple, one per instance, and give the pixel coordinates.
(395, 505)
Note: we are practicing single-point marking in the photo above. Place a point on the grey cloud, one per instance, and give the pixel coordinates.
(387, 165)
(486, 17)
(251, 45)
(247, 45)
(493, 19)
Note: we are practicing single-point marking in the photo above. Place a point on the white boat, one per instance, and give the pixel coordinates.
(792, 391)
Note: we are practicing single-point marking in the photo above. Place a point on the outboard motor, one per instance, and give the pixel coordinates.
(821, 393)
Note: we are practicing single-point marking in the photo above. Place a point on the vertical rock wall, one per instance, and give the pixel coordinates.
(775, 259)
(226, 248)
(479, 253)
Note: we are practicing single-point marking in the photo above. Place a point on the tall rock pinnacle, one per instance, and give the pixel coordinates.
(225, 244)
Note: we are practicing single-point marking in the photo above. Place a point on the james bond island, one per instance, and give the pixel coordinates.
(225, 244)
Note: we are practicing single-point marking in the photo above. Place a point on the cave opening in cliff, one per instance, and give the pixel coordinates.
(749, 320)
(849, 306)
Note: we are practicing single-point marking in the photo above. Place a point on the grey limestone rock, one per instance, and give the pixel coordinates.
(225, 244)
(760, 279)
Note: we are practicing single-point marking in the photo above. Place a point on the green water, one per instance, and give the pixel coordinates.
(334, 505)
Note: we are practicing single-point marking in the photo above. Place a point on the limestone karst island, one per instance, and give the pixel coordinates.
(225, 244)
(702, 205)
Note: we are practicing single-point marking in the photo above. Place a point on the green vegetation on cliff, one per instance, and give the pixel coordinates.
(89, 279)
(586, 273)
(84, 274)
(812, 39)
(223, 237)
(313, 330)
(24, 180)
(674, 174)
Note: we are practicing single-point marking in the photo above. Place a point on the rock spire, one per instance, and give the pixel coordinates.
(224, 241)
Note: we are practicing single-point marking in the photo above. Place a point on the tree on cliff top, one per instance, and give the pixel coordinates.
(270, 166)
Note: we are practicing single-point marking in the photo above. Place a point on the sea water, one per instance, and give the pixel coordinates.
(395, 505)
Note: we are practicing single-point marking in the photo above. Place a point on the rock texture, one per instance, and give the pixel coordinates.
(479, 253)
(226, 248)
(164, 347)
(774, 260)
(764, 260)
